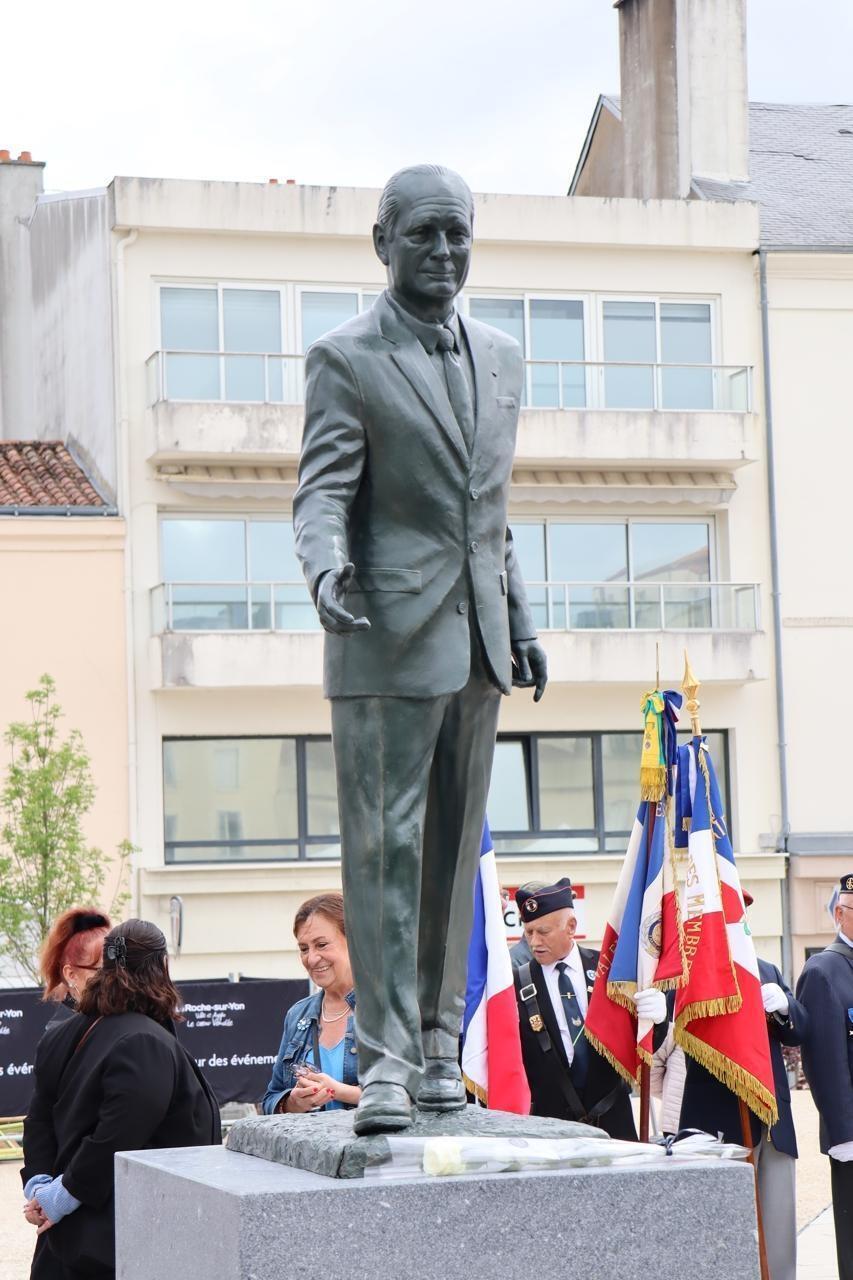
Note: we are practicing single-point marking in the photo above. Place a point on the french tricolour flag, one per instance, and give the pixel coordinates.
(719, 1015)
(641, 946)
(491, 1044)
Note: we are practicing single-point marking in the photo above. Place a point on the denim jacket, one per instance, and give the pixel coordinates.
(297, 1042)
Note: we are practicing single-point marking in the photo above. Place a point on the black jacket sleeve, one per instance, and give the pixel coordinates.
(51, 1057)
(138, 1084)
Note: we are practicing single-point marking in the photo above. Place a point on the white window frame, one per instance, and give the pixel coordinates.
(359, 290)
(219, 286)
(657, 299)
(627, 522)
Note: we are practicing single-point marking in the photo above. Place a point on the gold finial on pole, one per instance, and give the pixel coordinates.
(690, 687)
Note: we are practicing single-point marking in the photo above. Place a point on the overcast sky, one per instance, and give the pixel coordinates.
(345, 91)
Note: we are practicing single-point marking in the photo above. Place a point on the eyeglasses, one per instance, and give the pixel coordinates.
(844, 906)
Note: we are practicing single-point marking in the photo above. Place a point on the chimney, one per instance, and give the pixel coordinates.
(20, 186)
(684, 94)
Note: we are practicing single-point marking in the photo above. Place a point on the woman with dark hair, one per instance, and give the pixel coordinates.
(124, 1084)
(317, 1067)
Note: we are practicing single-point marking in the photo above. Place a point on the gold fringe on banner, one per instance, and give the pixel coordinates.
(477, 1089)
(611, 1057)
(737, 1079)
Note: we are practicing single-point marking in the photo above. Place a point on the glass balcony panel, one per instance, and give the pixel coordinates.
(209, 607)
(599, 608)
(244, 378)
(629, 386)
(647, 608)
(294, 610)
(684, 388)
(544, 386)
(189, 376)
(574, 386)
(688, 608)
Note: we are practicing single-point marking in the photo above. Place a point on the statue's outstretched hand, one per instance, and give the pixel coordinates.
(330, 597)
(530, 666)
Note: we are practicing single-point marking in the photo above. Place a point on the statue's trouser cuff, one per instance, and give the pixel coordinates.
(413, 777)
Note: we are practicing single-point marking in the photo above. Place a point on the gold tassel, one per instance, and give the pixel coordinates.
(477, 1089)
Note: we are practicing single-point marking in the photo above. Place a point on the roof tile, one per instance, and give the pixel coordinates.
(42, 473)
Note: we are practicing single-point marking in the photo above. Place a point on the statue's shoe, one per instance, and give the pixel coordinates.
(383, 1108)
(441, 1088)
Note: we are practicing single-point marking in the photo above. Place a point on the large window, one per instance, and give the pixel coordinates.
(225, 574)
(322, 310)
(639, 337)
(550, 332)
(565, 793)
(273, 799)
(249, 799)
(244, 323)
(605, 564)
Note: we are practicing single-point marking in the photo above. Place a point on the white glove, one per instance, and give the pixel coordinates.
(651, 1005)
(775, 1000)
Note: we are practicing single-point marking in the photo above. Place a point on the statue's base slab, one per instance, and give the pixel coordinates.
(204, 1213)
(324, 1142)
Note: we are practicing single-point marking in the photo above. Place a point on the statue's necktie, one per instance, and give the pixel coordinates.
(458, 390)
(574, 1021)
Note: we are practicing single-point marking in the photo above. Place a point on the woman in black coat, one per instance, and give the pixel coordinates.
(119, 1081)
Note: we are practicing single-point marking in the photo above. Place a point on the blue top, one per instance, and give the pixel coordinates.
(332, 1062)
(297, 1045)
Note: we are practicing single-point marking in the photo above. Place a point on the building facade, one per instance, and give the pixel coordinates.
(637, 505)
(687, 130)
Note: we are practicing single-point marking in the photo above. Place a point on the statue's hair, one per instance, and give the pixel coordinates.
(389, 201)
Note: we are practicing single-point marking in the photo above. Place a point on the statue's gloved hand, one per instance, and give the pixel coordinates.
(331, 594)
(530, 666)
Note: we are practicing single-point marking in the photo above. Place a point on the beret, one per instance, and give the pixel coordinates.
(536, 902)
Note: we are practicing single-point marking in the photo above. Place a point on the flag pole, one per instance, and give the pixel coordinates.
(690, 687)
(645, 1069)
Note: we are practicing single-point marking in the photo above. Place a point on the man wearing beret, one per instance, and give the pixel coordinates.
(568, 1079)
(826, 989)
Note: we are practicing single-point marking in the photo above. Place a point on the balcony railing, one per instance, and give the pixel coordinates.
(557, 606)
(645, 606)
(264, 377)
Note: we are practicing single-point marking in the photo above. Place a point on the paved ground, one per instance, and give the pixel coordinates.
(816, 1252)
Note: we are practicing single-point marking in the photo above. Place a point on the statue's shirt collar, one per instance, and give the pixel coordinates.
(426, 332)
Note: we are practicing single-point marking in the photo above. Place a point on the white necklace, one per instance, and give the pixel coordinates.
(337, 1017)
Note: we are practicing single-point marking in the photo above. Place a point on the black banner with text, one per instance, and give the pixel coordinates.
(232, 1029)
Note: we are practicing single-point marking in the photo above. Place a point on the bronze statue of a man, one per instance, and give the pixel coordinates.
(401, 527)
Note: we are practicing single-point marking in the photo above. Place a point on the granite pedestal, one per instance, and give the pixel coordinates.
(204, 1213)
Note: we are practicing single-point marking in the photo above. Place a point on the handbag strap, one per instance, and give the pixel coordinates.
(85, 1036)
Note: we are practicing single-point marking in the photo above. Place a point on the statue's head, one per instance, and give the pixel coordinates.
(423, 235)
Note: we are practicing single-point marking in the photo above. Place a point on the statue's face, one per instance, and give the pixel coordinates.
(428, 251)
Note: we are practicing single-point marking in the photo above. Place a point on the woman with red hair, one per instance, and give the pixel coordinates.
(70, 957)
(72, 952)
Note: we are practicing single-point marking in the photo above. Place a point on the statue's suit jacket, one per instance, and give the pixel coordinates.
(386, 481)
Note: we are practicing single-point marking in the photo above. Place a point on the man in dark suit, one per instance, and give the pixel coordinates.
(568, 1079)
(707, 1104)
(401, 526)
(825, 989)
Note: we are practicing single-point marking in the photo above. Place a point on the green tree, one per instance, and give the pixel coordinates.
(46, 865)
